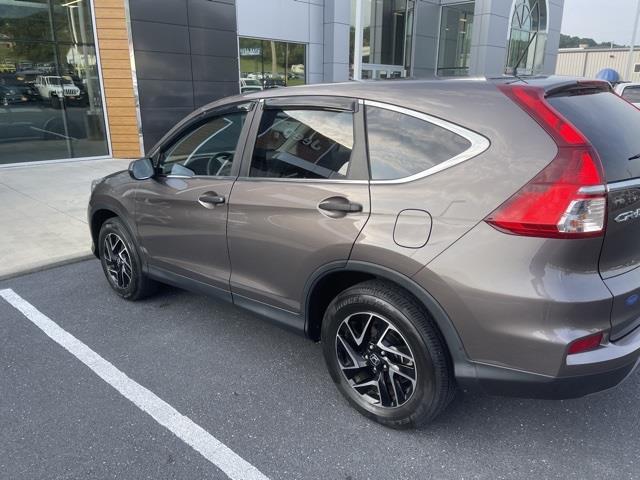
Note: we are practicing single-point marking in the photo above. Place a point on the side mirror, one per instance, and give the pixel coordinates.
(141, 169)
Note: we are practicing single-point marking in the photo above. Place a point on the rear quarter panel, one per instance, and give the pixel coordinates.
(461, 196)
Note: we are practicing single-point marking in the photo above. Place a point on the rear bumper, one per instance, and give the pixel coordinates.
(582, 374)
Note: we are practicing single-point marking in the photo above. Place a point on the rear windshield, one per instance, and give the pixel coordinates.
(611, 124)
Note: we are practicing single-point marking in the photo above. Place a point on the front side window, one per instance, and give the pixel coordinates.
(401, 145)
(303, 144)
(207, 150)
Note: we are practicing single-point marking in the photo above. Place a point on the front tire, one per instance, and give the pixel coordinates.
(386, 355)
(121, 262)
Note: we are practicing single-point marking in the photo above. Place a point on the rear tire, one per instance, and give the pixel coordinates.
(386, 355)
(121, 262)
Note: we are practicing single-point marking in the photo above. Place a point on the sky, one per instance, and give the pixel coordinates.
(602, 20)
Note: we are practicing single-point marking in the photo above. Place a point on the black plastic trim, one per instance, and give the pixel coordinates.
(278, 316)
(502, 381)
(187, 283)
(340, 104)
(462, 364)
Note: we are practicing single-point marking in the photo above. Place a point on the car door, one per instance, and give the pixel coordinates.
(181, 213)
(301, 199)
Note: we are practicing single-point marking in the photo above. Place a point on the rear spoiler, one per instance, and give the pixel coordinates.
(580, 87)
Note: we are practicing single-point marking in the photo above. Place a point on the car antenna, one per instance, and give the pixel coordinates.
(524, 52)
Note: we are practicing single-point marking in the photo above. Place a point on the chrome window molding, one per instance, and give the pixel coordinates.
(302, 180)
(196, 177)
(623, 185)
(479, 144)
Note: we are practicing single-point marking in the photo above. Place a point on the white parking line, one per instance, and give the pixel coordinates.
(234, 466)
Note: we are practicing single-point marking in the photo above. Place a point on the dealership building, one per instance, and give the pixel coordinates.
(98, 78)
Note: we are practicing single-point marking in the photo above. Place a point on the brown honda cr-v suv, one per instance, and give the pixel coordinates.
(429, 233)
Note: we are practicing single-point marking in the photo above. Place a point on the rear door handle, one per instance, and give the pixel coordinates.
(339, 204)
(210, 199)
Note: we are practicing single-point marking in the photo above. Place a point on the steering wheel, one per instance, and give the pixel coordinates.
(218, 162)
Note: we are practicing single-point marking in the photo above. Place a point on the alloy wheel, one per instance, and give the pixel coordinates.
(118, 260)
(376, 360)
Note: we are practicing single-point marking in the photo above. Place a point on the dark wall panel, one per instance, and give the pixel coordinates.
(221, 16)
(217, 43)
(186, 55)
(163, 66)
(164, 11)
(160, 37)
(165, 93)
(207, 92)
(222, 69)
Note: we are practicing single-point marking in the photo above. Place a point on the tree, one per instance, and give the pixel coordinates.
(567, 41)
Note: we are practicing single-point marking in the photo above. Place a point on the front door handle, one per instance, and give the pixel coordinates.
(210, 199)
(339, 204)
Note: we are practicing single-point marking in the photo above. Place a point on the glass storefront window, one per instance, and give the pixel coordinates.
(528, 37)
(271, 64)
(387, 33)
(50, 96)
(454, 46)
(384, 31)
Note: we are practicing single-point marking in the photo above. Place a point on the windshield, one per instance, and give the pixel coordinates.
(59, 80)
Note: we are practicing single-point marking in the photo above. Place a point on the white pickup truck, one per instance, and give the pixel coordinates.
(54, 88)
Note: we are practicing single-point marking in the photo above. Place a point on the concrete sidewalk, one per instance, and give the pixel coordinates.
(43, 212)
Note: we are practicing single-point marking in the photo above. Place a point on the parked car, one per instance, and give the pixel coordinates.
(17, 94)
(272, 82)
(630, 92)
(248, 85)
(54, 88)
(427, 243)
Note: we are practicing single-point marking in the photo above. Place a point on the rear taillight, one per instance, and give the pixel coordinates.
(567, 199)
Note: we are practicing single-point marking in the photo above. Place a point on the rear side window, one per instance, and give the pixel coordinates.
(631, 94)
(303, 144)
(611, 124)
(401, 145)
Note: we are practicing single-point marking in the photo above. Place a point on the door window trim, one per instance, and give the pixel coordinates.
(359, 165)
(479, 144)
(196, 123)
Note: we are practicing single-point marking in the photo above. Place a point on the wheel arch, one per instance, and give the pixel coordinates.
(102, 212)
(331, 279)
(97, 220)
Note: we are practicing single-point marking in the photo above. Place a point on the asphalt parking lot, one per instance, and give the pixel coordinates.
(264, 393)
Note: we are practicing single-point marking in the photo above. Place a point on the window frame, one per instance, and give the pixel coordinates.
(479, 143)
(358, 164)
(629, 88)
(192, 124)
